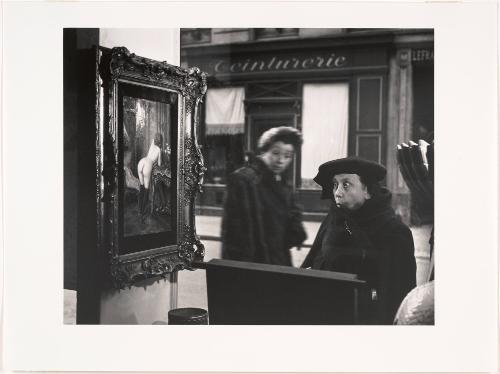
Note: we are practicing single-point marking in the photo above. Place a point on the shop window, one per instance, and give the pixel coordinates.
(231, 35)
(225, 125)
(423, 102)
(265, 33)
(324, 126)
(195, 36)
(378, 30)
(223, 154)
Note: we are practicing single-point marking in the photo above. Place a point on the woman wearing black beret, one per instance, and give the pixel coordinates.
(261, 220)
(362, 235)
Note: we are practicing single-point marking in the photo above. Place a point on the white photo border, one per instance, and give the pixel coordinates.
(465, 337)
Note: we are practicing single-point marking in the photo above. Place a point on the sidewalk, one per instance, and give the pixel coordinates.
(208, 227)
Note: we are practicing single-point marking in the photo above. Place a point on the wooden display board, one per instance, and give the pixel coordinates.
(244, 293)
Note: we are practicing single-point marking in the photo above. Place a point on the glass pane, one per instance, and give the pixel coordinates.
(324, 126)
(223, 155)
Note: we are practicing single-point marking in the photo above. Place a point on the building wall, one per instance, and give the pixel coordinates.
(243, 35)
(380, 77)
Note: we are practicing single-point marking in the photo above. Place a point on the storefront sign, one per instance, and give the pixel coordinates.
(280, 63)
(421, 55)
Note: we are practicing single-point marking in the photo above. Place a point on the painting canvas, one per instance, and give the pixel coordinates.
(147, 167)
(148, 180)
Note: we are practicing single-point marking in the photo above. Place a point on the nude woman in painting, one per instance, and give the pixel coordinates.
(144, 171)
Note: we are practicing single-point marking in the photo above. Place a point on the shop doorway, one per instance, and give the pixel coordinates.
(423, 129)
(423, 102)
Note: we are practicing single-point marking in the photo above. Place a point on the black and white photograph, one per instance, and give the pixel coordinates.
(205, 191)
(314, 176)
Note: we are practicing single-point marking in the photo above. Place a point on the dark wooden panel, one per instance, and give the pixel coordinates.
(79, 143)
(82, 261)
(369, 114)
(260, 294)
(70, 162)
(369, 147)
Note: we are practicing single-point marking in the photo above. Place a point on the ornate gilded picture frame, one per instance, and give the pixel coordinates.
(149, 164)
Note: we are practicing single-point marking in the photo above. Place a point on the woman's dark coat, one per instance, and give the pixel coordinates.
(261, 220)
(373, 243)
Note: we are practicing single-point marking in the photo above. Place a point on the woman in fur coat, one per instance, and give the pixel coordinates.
(362, 235)
(261, 220)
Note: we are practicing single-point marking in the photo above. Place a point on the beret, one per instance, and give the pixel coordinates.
(370, 172)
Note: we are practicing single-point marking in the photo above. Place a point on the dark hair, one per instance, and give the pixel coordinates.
(158, 139)
(372, 186)
(285, 134)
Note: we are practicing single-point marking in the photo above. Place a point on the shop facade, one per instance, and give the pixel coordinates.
(352, 92)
